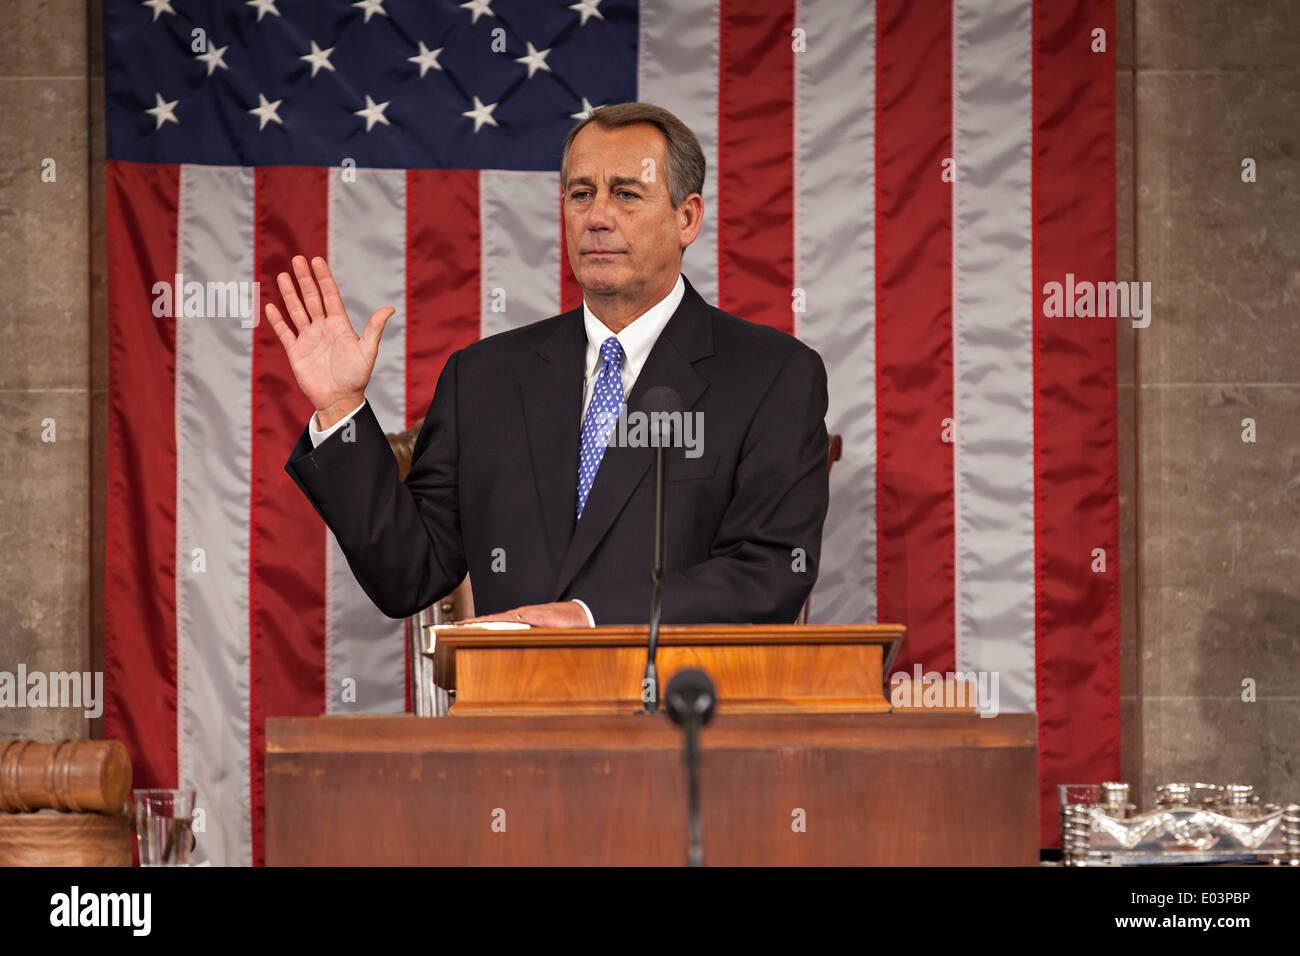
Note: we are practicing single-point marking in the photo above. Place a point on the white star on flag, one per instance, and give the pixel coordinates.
(160, 7)
(586, 110)
(163, 111)
(477, 7)
(266, 112)
(587, 8)
(263, 7)
(373, 113)
(481, 114)
(213, 58)
(318, 58)
(426, 59)
(371, 7)
(536, 59)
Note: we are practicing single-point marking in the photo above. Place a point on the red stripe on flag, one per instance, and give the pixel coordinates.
(443, 282)
(443, 276)
(914, 466)
(1076, 464)
(756, 162)
(287, 550)
(570, 288)
(140, 503)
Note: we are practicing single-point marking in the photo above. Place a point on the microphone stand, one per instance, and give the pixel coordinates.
(695, 854)
(656, 584)
(690, 701)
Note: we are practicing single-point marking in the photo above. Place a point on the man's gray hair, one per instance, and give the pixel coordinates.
(685, 158)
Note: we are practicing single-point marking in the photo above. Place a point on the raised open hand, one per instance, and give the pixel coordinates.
(331, 364)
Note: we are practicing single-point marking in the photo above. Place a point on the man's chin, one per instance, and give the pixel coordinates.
(600, 281)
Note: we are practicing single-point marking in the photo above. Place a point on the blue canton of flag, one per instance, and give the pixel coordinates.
(382, 83)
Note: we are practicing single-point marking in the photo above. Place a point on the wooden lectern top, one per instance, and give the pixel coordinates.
(792, 668)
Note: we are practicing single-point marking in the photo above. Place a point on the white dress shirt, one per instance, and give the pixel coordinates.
(637, 339)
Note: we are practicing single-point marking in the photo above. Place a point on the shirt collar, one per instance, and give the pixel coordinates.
(640, 335)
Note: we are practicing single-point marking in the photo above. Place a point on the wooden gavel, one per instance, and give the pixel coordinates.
(77, 776)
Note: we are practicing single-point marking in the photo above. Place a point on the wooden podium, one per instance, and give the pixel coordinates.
(788, 669)
(545, 760)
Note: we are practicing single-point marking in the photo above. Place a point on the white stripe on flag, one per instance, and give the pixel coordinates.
(678, 70)
(993, 305)
(835, 214)
(519, 223)
(367, 242)
(520, 228)
(213, 478)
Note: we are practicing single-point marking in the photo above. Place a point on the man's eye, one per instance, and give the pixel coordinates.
(583, 193)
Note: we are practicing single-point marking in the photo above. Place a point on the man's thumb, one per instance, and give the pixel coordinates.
(375, 328)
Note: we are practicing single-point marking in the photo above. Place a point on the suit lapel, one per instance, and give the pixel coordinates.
(686, 338)
(551, 395)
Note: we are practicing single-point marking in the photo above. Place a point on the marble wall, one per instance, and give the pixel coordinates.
(1217, 519)
(45, 359)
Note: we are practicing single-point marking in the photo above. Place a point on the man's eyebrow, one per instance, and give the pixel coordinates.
(614, 181)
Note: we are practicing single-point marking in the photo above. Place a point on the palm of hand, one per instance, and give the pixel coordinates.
(330, 362)
(329, 359)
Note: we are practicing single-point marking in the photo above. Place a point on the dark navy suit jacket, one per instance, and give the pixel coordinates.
(492, 487)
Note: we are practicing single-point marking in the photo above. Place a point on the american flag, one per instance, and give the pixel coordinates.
(893, 182)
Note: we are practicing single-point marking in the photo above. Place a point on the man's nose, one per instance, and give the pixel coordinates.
(599, 217)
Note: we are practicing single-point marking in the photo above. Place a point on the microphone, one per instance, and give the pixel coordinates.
(690, 697)
(658, 404)
(690, 702)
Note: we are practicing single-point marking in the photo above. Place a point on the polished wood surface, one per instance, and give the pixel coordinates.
(74, 775)
(49, 838)
(828, 668)
(902, 789)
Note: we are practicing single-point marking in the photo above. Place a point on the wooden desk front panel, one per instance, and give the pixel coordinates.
(832, 678)
(873, 789)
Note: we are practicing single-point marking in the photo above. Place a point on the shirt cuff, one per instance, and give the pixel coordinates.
(318, 436)
(591, 621)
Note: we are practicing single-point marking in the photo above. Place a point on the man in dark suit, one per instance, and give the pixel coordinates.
(521, 473)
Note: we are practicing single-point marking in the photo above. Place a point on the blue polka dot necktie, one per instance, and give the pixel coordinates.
(602, 415)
